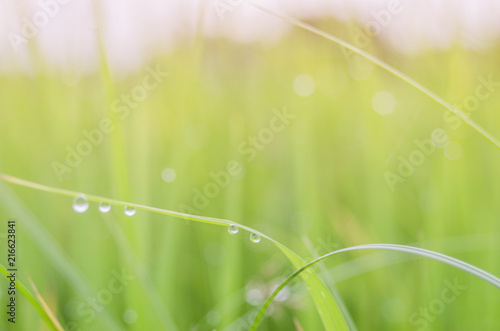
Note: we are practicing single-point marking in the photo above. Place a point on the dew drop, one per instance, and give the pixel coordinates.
(255, 297)
(453, 151)
(80, 204)
(383, 103)
(129, 211)
(255, 237)
(130, 316)
(168, 175)
(233, 229)
(104, 207)
(304, 85)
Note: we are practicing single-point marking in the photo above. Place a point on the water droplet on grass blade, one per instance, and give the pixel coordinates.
(80, 204)
(255, 237)
(104, 207)
(129, 211)
(233, 229)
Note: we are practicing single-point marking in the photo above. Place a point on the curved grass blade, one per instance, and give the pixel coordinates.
(401, 248)
(387, 67)
(376, 260)
(328, 309)
(53, 324)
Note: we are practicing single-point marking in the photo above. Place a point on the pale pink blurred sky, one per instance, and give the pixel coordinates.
(136, 30)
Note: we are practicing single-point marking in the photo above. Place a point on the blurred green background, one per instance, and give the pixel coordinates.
(318, 185)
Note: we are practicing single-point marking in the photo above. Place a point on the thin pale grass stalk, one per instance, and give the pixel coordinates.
(45, 306)
(385, 66)
(486, 276)
(376, 260)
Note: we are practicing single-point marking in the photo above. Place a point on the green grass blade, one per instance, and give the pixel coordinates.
(327, 307)
(401, 248)
(45, 306)
(31, 299)
(374, 261)
(387, 67)
(333, 288)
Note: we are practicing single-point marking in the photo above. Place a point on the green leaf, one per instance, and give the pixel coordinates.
(327, 307)
(31, 299)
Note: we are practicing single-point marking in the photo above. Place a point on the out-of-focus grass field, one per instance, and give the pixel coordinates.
(316, 186)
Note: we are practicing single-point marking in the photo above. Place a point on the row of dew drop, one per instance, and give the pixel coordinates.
(233, 229)
(81, 204)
